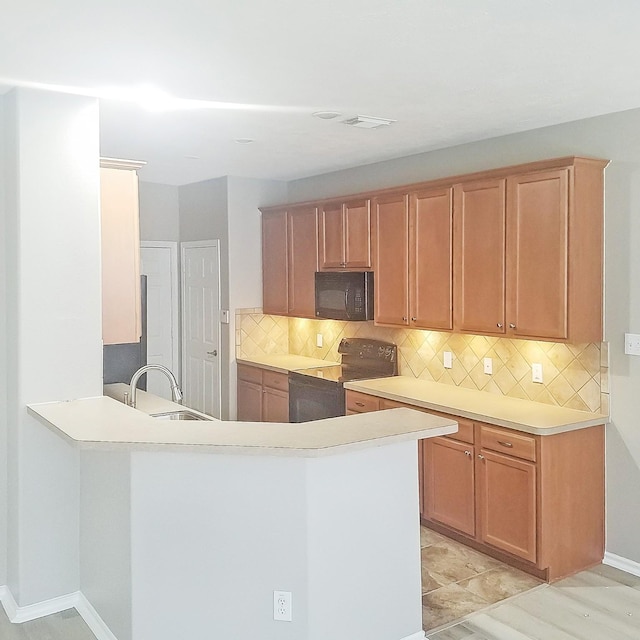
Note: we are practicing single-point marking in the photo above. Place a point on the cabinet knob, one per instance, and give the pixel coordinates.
(404, 318)
(413, 319)
(343, 264)
(512, 326)
(499, 325)
(467, 453)
(480, 456)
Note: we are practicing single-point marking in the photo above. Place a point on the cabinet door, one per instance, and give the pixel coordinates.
(249, 401)
(449, 483)
(331, 237)
(275, 407)
(357, 234)
(537, 250)
(391, 260)
(431, 259)
(275, 263)
(479, 270)
(121, 304)
(303, 261)
(507, 503)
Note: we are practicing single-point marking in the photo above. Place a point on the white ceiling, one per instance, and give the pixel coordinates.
(448, 71)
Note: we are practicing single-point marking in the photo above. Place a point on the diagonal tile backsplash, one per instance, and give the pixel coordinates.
(575, 375)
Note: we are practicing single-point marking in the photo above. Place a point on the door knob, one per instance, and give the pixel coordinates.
(212, 353)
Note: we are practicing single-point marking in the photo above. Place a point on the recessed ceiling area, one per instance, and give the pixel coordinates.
(446, 72)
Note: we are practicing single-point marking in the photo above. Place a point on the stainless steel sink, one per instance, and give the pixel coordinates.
(181, 414)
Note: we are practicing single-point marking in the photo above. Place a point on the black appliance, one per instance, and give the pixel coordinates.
(319, 392)
(344, 295)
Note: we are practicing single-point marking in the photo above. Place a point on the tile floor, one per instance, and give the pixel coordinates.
(458, 581)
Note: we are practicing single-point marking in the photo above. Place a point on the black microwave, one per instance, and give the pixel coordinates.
(344, 295)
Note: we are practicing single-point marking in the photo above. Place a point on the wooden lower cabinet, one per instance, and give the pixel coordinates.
(535, 502)
(262, 395)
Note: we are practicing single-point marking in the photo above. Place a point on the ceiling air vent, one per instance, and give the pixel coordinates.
(368, 122)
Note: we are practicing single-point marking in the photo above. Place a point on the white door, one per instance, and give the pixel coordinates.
(201, 326)
(159, 262)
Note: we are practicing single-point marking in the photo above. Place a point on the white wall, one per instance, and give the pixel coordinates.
(245, 254)
(53, 326)
(105, 537)
(159, 213)
(615, 137)
(3, 362)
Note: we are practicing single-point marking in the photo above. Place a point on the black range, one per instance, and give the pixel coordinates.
(319, 392)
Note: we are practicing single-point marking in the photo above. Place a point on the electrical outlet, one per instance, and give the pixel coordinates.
(488, 366)
(282, 606)
(632, 344)
(536, 372)
(447, 358)
(319, 340)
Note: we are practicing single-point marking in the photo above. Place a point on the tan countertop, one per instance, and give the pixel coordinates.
(105, 423)
(284, 363)
(523, 415)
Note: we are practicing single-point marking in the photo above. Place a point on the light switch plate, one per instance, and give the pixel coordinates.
(224, 316)
(488, 366)
(447, 359)
(319, 340)
(632, 344)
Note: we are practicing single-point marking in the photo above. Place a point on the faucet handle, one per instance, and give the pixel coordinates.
(126, 398)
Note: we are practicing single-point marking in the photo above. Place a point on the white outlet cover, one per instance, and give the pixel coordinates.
(536, 372)
(488, 366)
(447, 358)
(319, 340)
(282, 608)
(632, 344)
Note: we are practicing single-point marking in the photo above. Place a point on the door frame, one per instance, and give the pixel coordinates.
(176, 334)
(194, 244)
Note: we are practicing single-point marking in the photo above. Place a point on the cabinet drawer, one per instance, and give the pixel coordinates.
(249, 374)
(275, 380)
(361, 402)
(509, 442)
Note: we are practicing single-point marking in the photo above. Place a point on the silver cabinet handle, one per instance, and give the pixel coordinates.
(413, 319)
(512, 326)
(499, 325)
(212, 353)
(505, 444)
(404, 318)
(360, 404)
(481, 456)
(467, 453)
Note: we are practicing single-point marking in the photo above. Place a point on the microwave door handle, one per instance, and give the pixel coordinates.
(346, 303)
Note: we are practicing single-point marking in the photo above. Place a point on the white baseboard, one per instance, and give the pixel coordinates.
(18, 614)
(93, 620)
(416, 636)
(75, 601)
(622, 563)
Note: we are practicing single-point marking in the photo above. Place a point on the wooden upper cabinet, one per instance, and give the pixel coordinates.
(289, 261)
(344, 235)
(120, 233)
(391, 258)
(431, 259)
(537, 250)
(554, 248)
(480, 250)
(275, 267)
(303, 261)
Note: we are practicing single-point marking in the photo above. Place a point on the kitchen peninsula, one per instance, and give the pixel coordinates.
(189, 527)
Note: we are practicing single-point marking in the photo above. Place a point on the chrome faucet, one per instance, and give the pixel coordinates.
(175, 389)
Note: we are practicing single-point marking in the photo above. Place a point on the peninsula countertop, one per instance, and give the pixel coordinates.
(522, 415)
(104, 423)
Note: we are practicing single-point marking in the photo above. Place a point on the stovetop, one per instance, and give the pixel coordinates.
(362, 359)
